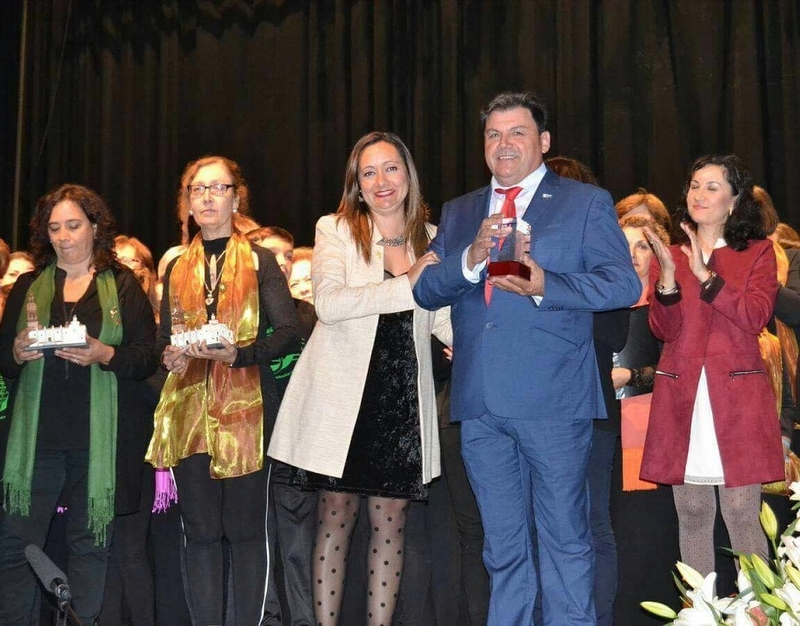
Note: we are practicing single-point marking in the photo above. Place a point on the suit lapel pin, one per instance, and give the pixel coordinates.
(547, 196)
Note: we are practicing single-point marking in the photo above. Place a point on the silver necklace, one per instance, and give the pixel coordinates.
(213, 276)
(394, 242)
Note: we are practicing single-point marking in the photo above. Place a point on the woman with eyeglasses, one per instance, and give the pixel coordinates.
(218, 404)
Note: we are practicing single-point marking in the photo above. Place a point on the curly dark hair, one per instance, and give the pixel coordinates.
(745, 222)
(95, 209)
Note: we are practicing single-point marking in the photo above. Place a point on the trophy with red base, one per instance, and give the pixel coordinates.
(509, 251)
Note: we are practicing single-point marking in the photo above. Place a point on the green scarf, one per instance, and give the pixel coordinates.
(102, 412)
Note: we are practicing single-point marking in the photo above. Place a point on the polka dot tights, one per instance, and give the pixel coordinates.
(337, 514)
(696, 506)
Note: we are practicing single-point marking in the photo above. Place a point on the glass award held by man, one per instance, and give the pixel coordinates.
(509, 251)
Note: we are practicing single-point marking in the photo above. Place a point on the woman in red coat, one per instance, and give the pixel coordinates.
(713, 421)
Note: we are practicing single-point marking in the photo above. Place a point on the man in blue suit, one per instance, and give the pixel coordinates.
(525, 381)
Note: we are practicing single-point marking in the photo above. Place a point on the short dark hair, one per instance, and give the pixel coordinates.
(259, 234)
(745, 222)
(513, 99)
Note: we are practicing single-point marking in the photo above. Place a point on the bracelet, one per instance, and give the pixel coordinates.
(662, 291)
(707, 282)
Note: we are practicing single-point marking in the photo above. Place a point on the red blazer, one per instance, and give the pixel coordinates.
(717, 329)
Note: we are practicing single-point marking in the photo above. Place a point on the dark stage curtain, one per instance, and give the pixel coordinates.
(120, 95)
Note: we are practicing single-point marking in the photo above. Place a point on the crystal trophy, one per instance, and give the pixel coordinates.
(509, 251)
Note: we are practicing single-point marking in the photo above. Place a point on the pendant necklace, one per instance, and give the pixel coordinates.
(213, 276)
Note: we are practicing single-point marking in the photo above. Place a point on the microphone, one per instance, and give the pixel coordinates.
(53, 579)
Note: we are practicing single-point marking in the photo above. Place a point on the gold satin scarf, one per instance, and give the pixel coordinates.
(214, 408)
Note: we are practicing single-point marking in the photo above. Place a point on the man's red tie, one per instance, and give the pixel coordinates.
(509, 210)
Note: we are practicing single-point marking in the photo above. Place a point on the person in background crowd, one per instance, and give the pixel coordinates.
(5, 253)
(137, 257)
(218, 404)
(292, 511)
(636, 363)
(74, 414)
(365, 426)
(525, 378)
(129, 595)
(786, 236)
(713, 421)
(300, 280)
(277, 240)
(644, 203)
(133, 254)
(19, 262)
(610, 331)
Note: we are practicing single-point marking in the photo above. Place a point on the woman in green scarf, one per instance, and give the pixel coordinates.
(71, 407)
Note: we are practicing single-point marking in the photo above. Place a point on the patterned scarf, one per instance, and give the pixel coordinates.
(214, 408)
(102, 412)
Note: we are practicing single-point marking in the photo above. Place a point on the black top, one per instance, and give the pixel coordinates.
(610, 331)
(275, 309)
(64, 409)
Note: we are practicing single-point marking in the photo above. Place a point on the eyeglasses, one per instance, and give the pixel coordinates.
(217, 189)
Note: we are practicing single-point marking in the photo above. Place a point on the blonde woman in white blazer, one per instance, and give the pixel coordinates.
(359, 415)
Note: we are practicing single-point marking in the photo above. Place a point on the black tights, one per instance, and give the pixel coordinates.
(337, 514)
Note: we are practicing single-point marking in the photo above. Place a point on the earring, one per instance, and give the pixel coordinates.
(191, 212)
(236, 210)
(360, 197)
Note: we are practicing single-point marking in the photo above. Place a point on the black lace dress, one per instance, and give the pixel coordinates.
(385, 456)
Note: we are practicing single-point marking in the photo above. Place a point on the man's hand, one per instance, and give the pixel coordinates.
(483, 242)
(520, 286)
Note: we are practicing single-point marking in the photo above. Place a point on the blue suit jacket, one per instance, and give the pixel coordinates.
(515, 358)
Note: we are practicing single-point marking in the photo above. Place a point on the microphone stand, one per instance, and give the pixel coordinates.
(66, 614)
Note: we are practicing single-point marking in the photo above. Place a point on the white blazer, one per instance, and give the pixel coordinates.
(316, 419)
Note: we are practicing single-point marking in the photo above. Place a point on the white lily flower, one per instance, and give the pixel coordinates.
(791, 596)
(795, 489)
(790, 548)
(742, 616)
(744, 586)
(706, 607)
(787, 620)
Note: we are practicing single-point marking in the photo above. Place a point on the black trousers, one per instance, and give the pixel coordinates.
(129, 594)
(292, 516)
(58, 476)
(216, 513)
